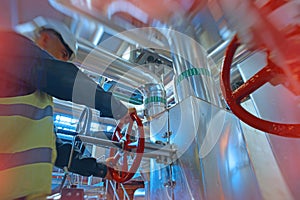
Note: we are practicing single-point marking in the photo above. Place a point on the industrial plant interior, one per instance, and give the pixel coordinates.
(215, 85)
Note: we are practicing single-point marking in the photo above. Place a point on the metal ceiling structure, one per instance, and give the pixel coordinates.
(126, 37)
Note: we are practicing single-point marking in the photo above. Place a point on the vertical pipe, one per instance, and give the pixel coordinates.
(154, 99)
(192, 74)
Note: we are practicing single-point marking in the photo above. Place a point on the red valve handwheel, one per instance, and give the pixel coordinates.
(129, 146)
(234, 98)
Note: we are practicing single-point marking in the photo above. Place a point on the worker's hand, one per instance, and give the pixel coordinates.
(131, 111)
(127, 118)
(110, 163)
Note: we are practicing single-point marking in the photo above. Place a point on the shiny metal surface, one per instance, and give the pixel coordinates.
(213, 161)
(192, 74)
(280, 105)
(84, 122)
(75, 8)
(139, 194)
(100, 141)
(104, 63)
(155, 99)
(264, 162)
(136, 77)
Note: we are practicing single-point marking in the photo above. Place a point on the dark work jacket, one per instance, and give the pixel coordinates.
(25, 68)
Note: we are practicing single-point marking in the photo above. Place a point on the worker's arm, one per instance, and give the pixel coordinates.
(65, 81)
(27, 67)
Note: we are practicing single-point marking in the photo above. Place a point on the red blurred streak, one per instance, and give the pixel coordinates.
(156, 9)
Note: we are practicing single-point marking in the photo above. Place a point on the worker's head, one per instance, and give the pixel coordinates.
(55, 38)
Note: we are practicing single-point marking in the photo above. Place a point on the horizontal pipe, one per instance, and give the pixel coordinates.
(102, 62)
(73, 9)
(100, 142)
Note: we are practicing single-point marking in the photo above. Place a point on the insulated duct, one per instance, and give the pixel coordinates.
(193, 76)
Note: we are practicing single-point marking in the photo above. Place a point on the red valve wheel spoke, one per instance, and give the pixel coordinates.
(126, 172)
(129, 130)
(125, 162)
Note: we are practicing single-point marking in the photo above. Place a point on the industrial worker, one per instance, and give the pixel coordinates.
(31, 73)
